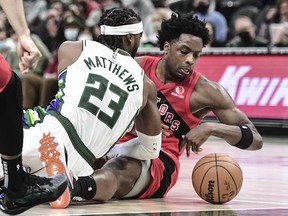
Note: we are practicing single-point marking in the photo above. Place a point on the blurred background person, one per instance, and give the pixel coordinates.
(51, 31)
(274, 26)
(211, 30)
(161, 12)
(205, 10)
(8, 50)
(145, 9)
(35, 12)
(72, 25)
(245, 31)
(90, 11)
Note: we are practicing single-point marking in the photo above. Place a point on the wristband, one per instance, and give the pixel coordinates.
(246, 139)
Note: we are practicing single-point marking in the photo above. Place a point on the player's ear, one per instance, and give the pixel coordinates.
(127, 42)
(166, 47)
(130, 37)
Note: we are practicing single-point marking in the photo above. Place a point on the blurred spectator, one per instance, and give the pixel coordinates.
(247, 10)
(210, 27)
(72, 27)
(108, 4)
(160, 3)
(230, 7)
(90, 11)
(35, 11)
(3, 19)
(8, 49)
(86, 34)
(274, 26)
(59, 6)
(205, 11)
(51, 32)
(246, 34)
(159, 14)
(72, 10)
(181, 7)
(279, 24)
(145, 10)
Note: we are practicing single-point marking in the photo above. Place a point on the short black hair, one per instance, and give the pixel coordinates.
(178, 24)
(116, 17)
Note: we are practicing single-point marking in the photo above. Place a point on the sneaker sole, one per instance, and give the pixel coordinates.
(19, 210)
(50, 157)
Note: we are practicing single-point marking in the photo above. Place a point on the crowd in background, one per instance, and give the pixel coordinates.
(242, 23)
(232, 23)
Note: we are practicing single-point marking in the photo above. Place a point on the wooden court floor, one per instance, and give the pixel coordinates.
(264, 190)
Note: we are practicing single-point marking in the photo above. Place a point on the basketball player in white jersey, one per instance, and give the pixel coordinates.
(102, 93)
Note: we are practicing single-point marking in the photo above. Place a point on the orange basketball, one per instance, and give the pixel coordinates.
(217, 178)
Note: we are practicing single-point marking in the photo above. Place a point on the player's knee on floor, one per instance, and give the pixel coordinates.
(127, 172)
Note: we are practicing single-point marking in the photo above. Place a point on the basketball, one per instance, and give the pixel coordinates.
(217, 178)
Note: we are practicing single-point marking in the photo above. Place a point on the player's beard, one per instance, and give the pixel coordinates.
(134, 50)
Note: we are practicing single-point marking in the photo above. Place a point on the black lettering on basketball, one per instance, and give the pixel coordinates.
(210, 195)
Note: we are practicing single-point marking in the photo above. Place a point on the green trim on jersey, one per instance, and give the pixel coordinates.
(122, 52)
(74, 138)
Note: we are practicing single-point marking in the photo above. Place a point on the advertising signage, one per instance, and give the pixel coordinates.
(257, 83)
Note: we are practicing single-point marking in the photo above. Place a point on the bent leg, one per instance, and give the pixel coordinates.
(11, 129)
(117, 178)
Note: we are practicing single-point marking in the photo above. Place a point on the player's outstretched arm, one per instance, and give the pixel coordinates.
(234, 126)
(27, 51)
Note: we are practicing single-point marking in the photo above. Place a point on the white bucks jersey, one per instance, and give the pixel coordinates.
(100, 93)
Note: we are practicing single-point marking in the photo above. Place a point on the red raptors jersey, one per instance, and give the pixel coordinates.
(173, 104)
(173, 101)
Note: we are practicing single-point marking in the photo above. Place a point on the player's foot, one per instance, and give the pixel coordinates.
(35, 190)
(50, 156)
(65, 199)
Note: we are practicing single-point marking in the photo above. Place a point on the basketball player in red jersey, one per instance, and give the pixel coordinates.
(185, 97)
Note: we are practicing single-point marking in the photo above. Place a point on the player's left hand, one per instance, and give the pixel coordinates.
(194, 139)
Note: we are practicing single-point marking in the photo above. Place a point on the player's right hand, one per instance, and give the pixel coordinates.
(28, 54)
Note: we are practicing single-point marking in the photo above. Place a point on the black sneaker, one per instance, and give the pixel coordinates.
(35, 190)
